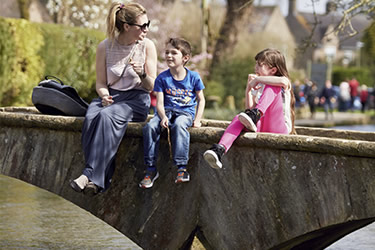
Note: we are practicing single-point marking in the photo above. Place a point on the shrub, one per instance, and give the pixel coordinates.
(232, 76)
(20, 64)
(69, 53)
(29, 51)
(363, 75)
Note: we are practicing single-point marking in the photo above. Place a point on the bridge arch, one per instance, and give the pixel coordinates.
(276, 191)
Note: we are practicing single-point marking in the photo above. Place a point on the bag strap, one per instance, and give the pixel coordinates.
(49, 76)
(131, 54)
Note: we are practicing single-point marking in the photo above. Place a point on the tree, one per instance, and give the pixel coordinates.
(351, 9)
(85, 13)
(236, 10)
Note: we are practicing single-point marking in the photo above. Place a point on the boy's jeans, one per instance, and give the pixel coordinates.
(179, 121)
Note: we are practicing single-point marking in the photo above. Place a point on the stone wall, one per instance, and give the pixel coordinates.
(278, 191)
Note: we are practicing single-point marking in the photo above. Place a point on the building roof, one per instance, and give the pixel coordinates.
(259, 18)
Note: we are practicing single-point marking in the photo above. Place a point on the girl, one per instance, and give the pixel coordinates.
(265, 94)
(125, 74)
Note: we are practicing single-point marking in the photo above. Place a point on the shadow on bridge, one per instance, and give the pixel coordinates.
(275, 191)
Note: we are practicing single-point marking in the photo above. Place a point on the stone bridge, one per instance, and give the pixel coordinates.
(275, 192)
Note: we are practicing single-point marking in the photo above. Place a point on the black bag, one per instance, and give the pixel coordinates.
(54, 98)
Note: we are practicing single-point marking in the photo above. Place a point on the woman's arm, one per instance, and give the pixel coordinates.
(150, 65)
(200, 108)
(101, 71)
(101, 75)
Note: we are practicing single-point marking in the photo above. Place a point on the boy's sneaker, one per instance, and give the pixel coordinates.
(182, 176)
(213, 156)
(149, 179)
(249, 118)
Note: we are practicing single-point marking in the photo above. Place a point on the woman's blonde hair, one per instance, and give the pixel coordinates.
(274, 58)
(119, 14)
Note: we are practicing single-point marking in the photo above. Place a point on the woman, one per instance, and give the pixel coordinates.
(125, 74)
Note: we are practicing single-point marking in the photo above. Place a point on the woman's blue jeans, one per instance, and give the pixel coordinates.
(179, 121)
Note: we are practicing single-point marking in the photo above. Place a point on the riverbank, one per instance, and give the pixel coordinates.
(338, 119)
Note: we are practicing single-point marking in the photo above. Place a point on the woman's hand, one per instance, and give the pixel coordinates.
(107, 100)
(138, 68)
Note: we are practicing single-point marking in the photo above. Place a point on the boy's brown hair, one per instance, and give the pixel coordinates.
(182, 45)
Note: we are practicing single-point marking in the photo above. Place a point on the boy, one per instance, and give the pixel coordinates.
(180, 103)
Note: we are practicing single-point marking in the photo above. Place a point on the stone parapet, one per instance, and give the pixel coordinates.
(274, 191)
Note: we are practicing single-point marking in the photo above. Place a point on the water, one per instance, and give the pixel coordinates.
(363, 128)
(363, 238)
(32, 218)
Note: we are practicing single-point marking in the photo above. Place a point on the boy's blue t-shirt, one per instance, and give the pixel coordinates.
(179, 94)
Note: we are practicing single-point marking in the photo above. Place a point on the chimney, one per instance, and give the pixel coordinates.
(292, 8)
(330, 7)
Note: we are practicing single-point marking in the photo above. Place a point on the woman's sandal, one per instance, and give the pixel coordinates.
(75, 186)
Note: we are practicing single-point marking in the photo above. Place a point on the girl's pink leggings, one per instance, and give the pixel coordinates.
(270, 104)
(231, 133)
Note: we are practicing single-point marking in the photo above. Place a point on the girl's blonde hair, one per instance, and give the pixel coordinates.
(274, 58)
(122, 13)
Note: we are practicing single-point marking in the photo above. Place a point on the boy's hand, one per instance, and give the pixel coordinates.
(197, 124)
(164, 122)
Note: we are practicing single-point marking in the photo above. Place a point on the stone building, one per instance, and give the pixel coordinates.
(267, 28)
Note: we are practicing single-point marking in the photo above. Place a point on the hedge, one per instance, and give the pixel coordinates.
(362, 74)
(29, 51)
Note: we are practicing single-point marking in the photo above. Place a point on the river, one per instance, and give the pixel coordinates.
(33, 218)
(363, 128)
(364, 238)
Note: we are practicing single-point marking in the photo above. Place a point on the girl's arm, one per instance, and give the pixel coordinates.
(200, 108)
(161, 110)
(150, 66)
(281, 81)
(249, 98)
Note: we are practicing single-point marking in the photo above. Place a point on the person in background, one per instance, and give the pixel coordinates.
(327, 99)
(297, 92)
(363, 97)
(312, 97)
(125, 75)
(344, 96)
(180, 104)
(354, 84)
(269, 102)
(153, 102)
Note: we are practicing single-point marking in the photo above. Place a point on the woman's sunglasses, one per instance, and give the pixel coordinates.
(141, 26)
